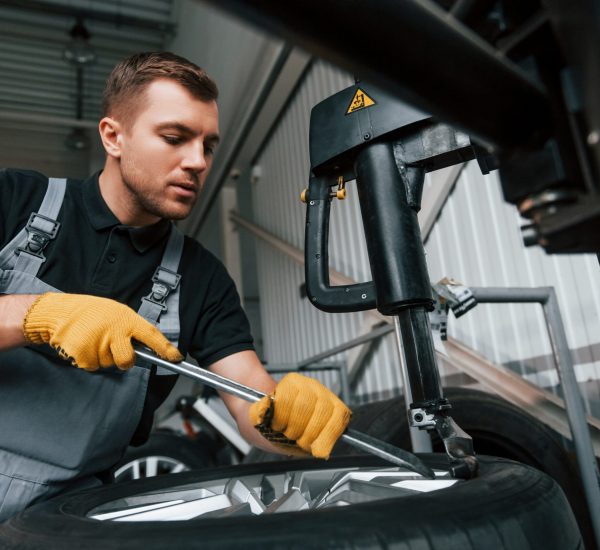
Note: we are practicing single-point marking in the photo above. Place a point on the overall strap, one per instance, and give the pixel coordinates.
(161, 306)
(25, 252)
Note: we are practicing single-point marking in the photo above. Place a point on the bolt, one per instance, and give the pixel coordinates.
(364, 296)
(367, 136)
(317, 256)
(312, 203)
(418, 417)
(314, 298)
(593, 137)
(347, 289)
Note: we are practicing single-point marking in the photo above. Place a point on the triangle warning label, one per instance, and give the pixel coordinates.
(360, 101)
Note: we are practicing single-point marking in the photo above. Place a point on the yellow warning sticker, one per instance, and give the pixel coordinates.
(360, 101)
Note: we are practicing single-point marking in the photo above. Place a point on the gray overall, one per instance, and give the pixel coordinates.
(59, 425)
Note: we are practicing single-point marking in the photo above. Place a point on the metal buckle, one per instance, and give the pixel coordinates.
(38, 238)
(165, 281)
(166, 277)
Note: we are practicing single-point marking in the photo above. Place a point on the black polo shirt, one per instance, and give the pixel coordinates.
(94, 254)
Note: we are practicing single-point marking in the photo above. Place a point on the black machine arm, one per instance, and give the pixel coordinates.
(334, 299)
(387, 150)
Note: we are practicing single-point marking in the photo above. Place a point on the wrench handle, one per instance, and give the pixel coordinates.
(359, 440)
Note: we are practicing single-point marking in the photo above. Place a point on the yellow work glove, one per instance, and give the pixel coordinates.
(92, 332)
(301, 416)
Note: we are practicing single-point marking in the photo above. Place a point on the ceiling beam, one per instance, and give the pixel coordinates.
(116, 18)
(36, 118)
(269, 100)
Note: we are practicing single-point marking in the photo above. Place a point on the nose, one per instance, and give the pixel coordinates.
(194, 158)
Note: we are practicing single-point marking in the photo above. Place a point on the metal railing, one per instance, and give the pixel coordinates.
(546, 297)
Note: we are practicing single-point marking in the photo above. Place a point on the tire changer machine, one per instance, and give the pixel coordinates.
(364, 134)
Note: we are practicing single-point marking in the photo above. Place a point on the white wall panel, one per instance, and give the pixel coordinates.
(477, 241)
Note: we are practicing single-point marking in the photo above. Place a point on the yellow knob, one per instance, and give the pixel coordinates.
(303, 195)
(341, 194)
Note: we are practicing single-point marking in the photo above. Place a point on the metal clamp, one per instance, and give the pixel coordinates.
(164, 282)
(419, 418)
(40, 230)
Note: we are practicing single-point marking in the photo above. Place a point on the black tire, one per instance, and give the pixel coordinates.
(497, 427)
(192, 454)
(508, 506)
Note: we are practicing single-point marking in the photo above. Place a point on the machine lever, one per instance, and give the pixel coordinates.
(358, 440)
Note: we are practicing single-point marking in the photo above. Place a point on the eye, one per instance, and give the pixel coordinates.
(172, 139)
(209, 149)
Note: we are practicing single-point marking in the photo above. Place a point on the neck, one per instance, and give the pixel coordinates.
(120, 199)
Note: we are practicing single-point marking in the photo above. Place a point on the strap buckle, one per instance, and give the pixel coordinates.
(40, 231)
(164, 282)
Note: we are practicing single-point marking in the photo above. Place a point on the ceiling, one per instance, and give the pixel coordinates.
(38, 89)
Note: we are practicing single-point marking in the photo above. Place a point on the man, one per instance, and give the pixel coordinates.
(78, 259)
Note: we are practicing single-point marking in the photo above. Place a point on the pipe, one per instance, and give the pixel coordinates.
(374, 334)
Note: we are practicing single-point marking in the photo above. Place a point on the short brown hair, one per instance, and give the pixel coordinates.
(131, 76)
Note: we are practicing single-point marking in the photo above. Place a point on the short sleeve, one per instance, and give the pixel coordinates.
(222, 328)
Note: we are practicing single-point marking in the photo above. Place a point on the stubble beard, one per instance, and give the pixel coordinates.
(149, 203)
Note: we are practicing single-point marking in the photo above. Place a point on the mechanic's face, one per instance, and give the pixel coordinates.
(167, 151)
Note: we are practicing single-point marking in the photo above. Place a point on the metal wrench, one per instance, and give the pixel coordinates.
(359, 440)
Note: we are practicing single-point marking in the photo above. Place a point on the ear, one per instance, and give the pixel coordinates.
(111, 135)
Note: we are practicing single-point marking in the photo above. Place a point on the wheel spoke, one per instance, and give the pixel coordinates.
(292, 501)
(178, 468)
(267, 493)
(151, 466)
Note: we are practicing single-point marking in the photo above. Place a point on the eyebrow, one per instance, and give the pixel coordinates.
(213, 138)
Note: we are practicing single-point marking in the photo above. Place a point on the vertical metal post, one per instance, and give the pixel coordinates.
(575, 410)
(420, 440)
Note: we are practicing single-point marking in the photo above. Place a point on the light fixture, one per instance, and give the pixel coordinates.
(77, 140)
(78, 51)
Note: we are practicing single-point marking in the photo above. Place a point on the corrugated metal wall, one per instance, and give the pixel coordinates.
(476, 240)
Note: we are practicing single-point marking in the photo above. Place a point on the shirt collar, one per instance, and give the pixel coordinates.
(98, 211)
(101, 217)
(144, 238)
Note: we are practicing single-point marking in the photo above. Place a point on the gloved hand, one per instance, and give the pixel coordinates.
(302, 416)
(92, 332)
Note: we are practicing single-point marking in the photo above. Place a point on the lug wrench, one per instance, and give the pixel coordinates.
(359, 440)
